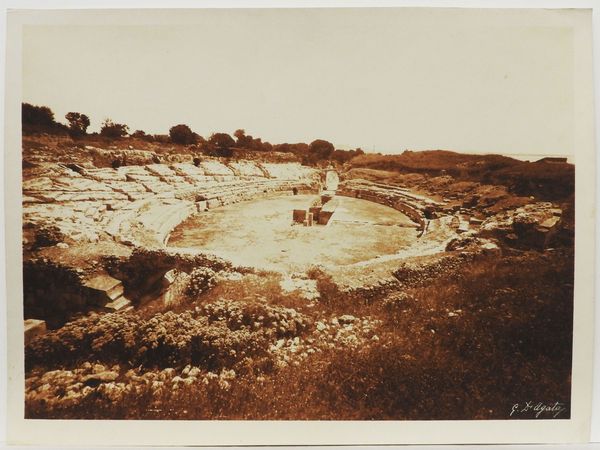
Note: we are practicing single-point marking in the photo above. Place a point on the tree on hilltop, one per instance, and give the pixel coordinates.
(40, 119)
(140, 134)
(221, 140)
(37, 115)
(78, 123)
(318, 150)
(321, 148)
(243, 140)
(182, 134)
(222, 143)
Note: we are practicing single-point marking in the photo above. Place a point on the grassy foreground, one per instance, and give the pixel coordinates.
(461, 346)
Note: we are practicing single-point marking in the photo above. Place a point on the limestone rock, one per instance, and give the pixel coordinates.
(95, 379)
(346, 319)
(530, 226)
(34, 328)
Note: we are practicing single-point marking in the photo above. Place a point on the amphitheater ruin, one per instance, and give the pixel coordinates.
(113, 251)
(140, 206)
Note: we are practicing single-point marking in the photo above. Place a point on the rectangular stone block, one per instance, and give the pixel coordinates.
(324, 217)
(315, 210)
(326, 196)
(331, 205)
(202, 205)
(213, 203)
(299, 215)
(309, 219)
(34, 328)
(118, 305)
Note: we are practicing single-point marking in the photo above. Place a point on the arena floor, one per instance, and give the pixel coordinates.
(261, 234)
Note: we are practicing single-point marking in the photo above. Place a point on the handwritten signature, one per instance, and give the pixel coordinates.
(538, 408)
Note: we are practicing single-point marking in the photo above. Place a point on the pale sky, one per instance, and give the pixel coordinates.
(385, 80)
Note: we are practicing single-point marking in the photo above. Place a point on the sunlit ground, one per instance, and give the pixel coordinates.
(261, 233)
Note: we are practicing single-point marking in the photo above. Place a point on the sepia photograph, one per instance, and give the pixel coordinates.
(330, 214)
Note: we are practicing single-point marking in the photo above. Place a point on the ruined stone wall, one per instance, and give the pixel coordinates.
(387, 199)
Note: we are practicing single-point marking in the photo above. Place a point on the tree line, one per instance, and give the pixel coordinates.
(40, 119)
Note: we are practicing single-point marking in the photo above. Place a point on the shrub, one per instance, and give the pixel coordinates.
(151, 263)
(141, 134)
(201, 280)
(225, 152)
(329, 292)
(220, 334)
(109, 337)
(113, 130)
(221, 140)
(48, 236)
(397, 301)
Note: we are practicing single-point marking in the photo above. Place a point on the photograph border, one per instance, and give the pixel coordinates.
(109, 432)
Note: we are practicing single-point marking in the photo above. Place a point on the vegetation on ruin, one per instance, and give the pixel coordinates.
(461, 347)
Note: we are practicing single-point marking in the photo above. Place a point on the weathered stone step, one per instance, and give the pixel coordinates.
(160, 169)
(116, 291)
(118, 304)
(33, 328)
(108, 286)
(102, 282)
(168, 217)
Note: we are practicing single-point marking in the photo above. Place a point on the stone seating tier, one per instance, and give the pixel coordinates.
(106, 175)
(185, 169)
(130, 199)
(161, 170)
(288, 171)
(244, 168)
(212, 167)
(412, 205)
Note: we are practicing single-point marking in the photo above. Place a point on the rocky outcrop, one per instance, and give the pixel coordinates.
(33, 329)
(469, 242)
(418, 273)
(531, 226)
